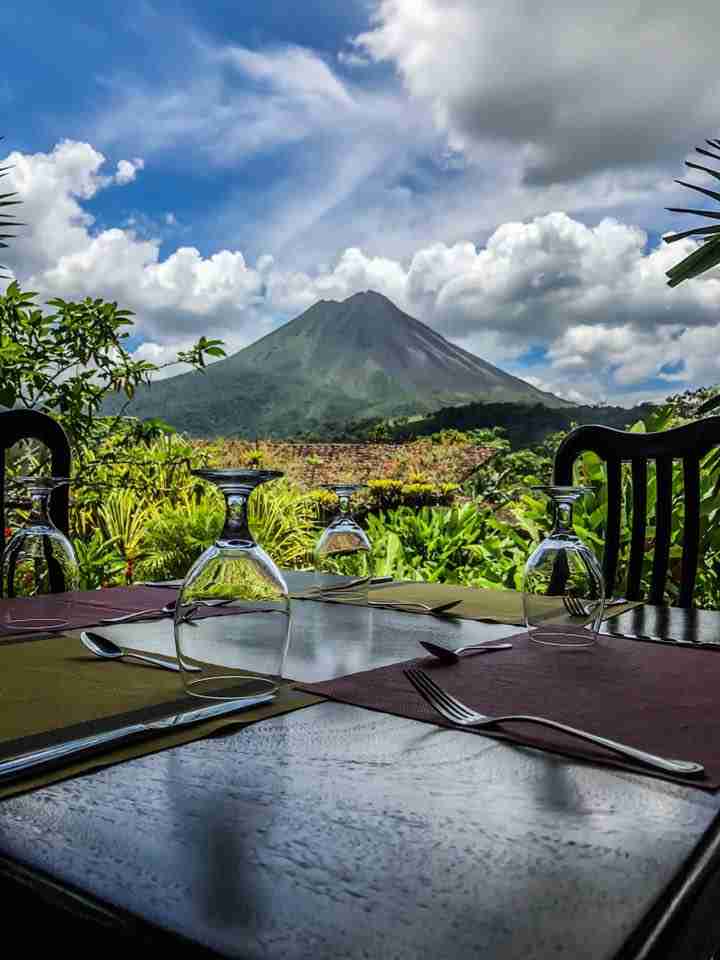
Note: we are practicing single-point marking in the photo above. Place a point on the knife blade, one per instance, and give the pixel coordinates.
(33, 759)
(651, 638)
(351, 584)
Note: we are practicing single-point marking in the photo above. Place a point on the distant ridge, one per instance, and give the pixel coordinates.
(337, 361)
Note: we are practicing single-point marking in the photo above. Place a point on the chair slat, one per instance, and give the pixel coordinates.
(639, 529)
(3, 522)
(612, 532)
(663, 527)
(691, 529)
(688, 443)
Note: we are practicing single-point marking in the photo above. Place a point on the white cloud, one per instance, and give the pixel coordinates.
(574, 88)
(229, 104)
(591, 297)
(357, 158)
(351, 58)
(293, 71)
(127, 170)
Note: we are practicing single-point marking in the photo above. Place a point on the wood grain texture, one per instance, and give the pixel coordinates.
(337, 832)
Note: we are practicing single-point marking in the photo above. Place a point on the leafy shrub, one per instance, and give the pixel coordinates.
(282, 519)
(101, 564)
(176, 535)
(387, 494)
(453, 545)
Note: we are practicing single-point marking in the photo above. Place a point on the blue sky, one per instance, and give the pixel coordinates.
(500, 174)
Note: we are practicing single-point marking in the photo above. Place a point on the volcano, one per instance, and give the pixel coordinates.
(336, 362)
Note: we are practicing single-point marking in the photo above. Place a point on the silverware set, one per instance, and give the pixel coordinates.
(445, 704)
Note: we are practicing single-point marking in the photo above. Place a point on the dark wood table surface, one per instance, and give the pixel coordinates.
(340, 832)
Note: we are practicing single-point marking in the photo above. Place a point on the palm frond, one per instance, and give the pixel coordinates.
(701, 213)
(708, 255)
(7, 220)
(708, 193)
(705, 153)
(699, 166)
(696, 232)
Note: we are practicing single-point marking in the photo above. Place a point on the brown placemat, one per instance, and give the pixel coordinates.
(53, 690)
(476, 603)
(660, 699)
(87, 608)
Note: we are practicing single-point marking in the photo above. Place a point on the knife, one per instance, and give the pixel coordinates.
(38, 758)
(651, 638)
(359, 581)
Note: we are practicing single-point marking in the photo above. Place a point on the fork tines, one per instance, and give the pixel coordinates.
(575, 606)
(441, 701)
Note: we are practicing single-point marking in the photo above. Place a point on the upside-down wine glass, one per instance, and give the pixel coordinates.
(563, 589)
(38, 560)
(232, 616)
(343, 548)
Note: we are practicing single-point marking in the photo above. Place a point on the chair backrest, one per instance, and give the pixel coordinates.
(688, 443)
(18, 425)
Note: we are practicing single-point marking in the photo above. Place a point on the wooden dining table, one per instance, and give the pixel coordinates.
(336, 831)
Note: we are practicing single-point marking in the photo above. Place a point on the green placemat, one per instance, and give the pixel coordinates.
(52, 690)
(476, 603)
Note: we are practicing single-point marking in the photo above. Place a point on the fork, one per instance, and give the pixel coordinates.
(156, 611)
(463, 716)
(579, 608)
(169, 608)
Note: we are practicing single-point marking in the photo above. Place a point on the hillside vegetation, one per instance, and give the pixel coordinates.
(522, 424)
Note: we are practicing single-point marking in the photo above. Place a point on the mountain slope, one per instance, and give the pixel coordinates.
(337, 361)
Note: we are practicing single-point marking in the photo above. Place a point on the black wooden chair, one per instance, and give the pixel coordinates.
(16, 425)
(688, 443)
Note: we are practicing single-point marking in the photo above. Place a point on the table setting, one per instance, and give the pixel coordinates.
(611, 701)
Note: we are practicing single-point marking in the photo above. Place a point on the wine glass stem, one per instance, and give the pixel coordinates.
(563, 517)
(344, 505)
(236, 521)
(39, 508)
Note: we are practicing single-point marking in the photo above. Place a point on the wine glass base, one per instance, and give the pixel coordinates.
(34, 624)
(230, 687)
(567, 640)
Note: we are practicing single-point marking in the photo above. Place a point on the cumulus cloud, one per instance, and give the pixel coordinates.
(127, 170)
(574, 88)
(590, 303)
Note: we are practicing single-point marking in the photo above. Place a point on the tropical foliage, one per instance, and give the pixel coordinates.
(139, 513)
(67, 361)
(708, 255)
(7, 221)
